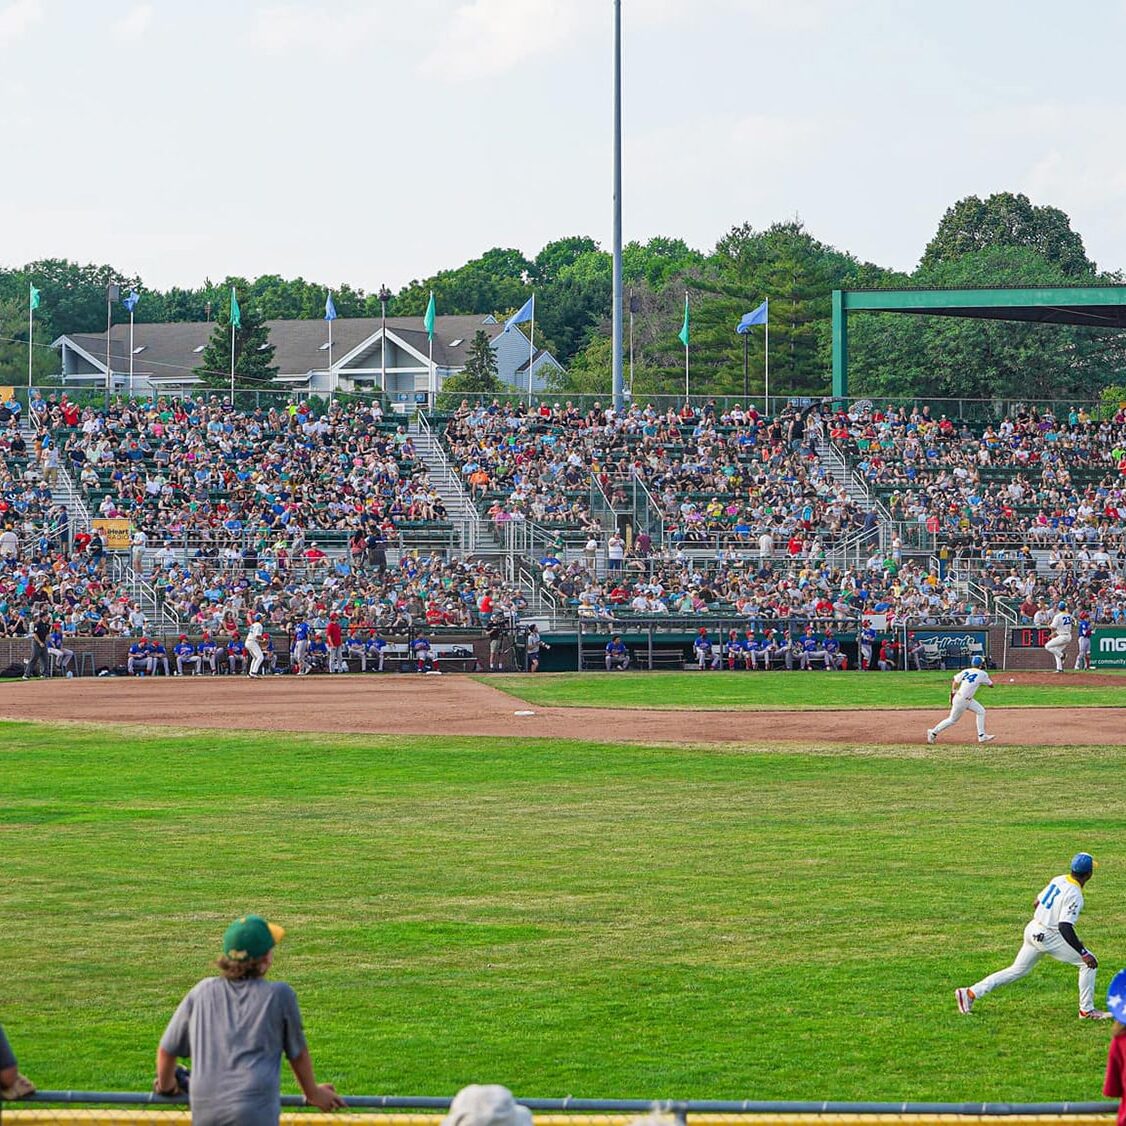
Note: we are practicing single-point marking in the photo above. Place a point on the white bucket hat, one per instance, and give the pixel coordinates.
(486, 1105)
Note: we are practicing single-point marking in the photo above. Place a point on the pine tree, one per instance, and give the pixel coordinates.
(478, 378)
(254, 353)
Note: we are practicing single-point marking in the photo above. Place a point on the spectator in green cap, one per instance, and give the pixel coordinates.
(235, 1028)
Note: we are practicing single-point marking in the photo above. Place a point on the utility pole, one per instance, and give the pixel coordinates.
(616, 346)
(384, 297)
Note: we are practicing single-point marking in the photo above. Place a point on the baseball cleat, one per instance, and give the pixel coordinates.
(931, 736)
(986, 738)
(1093, 1014)
(965, 999)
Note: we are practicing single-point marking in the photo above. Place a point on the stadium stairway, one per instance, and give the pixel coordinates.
(478, 537)
(64, 492)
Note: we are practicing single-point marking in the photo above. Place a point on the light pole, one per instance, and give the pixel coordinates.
(113, 293)
(616, 346)
(384, 297)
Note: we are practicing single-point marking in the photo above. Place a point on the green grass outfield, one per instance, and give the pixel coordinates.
(566, 918)
(801, 691)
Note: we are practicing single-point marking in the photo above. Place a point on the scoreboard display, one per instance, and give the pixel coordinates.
(1029, 637)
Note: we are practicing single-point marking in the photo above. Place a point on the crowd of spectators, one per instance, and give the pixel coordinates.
(735, 583)
(715, 475)
(1036, 502)
(199, 469)
(420, 591)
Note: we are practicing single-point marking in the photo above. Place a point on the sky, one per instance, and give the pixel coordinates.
(380, 141)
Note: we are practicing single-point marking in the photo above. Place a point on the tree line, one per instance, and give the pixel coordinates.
(1002, 240)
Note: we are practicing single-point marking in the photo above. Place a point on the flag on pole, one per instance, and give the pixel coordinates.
(754, 317)
(684, 334)
(236, 313)
(33, 296)
(525, 313)
(130, 300)
(428, 320)
(330, 308)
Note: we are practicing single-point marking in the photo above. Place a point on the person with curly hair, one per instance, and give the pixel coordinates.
(235, 1028)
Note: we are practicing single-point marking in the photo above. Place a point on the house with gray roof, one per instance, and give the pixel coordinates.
(163, 358)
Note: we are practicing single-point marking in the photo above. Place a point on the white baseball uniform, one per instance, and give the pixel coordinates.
(1060, 901)
(1061, 626)
(254, 648)
(965, 684)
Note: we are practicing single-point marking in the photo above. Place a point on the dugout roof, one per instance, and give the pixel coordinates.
(1096, 306)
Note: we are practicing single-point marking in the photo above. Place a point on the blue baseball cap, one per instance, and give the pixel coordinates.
(977, 661)
(1063, 605)
(1116, 996)
(1083, 864)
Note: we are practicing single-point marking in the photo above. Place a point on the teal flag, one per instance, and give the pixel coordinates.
(34, 296)
(683, 334)
(236, 312)
(428, 320)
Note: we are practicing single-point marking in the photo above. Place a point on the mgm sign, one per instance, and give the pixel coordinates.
(1108, 649)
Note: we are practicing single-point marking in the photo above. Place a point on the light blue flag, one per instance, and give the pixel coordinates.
(755, 317)
(525, 313)
(130, 300)
(330, 309)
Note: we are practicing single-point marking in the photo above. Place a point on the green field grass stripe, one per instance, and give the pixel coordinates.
(793, 691)
(563, 917)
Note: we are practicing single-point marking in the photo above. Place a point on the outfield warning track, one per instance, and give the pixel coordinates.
(459, 705)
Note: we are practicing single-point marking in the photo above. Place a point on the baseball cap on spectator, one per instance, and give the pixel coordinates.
(250, 936)
(1116, 996)
(486, 1105)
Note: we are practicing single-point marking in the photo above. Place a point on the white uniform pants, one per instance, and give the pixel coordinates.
(300, 651)
(1083, 657)
(256, 656)
(959, 706)
(1039, 941)
(1057, 646)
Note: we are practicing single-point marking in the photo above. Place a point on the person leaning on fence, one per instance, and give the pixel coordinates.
(13, 1085)
(235, 1028)
(490, 1105)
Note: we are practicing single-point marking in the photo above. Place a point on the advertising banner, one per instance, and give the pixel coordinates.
(117, 533)
(1108, 648)
(952, 647)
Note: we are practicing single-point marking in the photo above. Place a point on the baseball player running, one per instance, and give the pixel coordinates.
(1051, 931)
(1083, 657)
(962, 690)
(1061, 635)
(254, 647)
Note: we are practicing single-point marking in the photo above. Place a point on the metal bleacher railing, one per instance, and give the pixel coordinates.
(108, 1108)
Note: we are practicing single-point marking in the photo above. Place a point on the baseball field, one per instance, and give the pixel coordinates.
(709, 886)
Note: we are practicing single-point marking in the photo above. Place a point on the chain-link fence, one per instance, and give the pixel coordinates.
(109, 1109)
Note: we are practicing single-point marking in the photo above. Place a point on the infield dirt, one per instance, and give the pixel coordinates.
(458, 705)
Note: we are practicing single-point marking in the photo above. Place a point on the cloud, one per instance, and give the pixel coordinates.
(132, 26)
(17, 18)
(489, 37)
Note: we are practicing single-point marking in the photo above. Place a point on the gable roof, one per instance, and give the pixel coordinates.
(169, 349)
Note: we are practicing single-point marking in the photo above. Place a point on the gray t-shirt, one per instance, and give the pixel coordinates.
(235, 1033)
